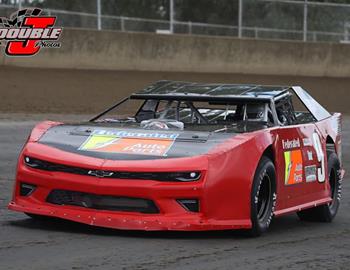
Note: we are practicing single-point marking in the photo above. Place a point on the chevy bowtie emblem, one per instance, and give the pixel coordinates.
(100, 174)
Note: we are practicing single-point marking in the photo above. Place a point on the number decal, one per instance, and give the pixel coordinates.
(321, 172)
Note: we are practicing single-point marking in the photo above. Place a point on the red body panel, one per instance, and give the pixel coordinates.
(224, 190)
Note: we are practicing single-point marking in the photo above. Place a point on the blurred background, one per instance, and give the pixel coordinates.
(307, 20)
(111, 48)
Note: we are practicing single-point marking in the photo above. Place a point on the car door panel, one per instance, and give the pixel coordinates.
(300, 154)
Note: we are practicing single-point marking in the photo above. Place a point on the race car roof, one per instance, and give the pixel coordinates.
(209, 91)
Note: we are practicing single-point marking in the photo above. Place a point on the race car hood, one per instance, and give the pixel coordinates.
(125, 143)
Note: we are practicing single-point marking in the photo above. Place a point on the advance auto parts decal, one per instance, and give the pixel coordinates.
(126, 142)
(293, 167)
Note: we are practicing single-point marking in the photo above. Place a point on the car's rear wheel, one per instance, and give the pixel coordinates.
(263, 196)
(327, 212)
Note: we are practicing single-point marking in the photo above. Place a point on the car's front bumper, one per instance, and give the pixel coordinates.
(172, 215)
(128, 221)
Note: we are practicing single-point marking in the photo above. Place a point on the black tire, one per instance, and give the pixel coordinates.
(327, 212)
(263, 197)
(39, 217)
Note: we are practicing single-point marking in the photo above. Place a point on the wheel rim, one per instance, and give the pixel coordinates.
(264, 198)
(333, 185)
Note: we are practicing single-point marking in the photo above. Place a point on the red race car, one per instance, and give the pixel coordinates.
(187, 156)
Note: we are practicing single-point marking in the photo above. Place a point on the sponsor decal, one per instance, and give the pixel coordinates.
(129, 142)
(321, 172)
(310, 173)
(307, 142)
(293, 167)
(134, 134)
(26, 31)
(310, 155)
(290, 144)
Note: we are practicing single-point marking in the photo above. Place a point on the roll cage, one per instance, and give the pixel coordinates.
(273, 109)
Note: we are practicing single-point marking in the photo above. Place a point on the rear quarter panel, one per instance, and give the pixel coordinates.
(331, 127)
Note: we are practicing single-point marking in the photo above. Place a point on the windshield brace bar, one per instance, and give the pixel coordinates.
(109, 109)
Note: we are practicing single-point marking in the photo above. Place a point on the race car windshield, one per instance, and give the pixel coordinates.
(176, 114)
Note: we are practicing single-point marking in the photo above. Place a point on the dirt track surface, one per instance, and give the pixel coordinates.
(32, 90)
(289, 244)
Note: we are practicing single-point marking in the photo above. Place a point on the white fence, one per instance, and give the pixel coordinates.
(131, 24)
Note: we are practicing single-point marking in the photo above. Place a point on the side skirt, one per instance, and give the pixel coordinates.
(302, 207)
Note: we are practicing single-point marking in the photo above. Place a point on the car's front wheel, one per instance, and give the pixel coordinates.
(263, 196)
